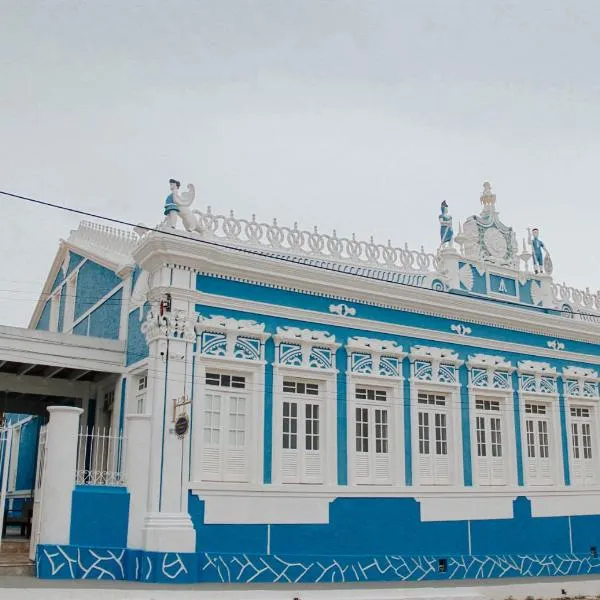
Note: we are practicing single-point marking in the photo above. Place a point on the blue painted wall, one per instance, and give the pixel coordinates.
(100, 516)
(44, 320)
(82, 327)
(106, 319)
(74, 261)
(28, 455)
(93, 283)
(61, 309)
(137, 348)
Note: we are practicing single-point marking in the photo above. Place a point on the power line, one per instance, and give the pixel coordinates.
(267, 254)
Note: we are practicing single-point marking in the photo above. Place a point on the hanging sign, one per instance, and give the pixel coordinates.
(182, 424)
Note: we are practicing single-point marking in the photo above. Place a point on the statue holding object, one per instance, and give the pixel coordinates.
(541, 257)
(446, 231)
(177, 204)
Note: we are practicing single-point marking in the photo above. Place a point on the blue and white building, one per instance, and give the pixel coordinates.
(291, 406)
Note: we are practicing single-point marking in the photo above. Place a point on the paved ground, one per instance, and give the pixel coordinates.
(29, 588)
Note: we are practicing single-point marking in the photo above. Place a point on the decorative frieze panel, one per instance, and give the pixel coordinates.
(231, 338)
(381, 358)
(581, 383)
(491, 372)
(436, 365)
(305, 348)
(537, 377)
(176, 324)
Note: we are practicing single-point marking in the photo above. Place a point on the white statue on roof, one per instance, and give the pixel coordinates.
(177, 204)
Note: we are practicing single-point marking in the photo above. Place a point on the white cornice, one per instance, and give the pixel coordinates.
(228, 263)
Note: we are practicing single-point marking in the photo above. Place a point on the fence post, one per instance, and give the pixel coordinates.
(59, 475)
(137, 464)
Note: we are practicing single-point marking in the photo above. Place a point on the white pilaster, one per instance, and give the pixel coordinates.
(59, 474)
(137, 460)
(167, 525)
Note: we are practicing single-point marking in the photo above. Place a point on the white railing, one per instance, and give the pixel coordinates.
(584, 304)
(99, 458)
(274, 237)
(104, 236)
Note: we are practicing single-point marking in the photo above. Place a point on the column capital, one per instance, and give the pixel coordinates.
(178, 325)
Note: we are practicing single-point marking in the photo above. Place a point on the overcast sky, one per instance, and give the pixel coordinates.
(356, 115)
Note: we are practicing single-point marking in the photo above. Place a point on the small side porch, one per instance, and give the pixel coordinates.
(38, 370)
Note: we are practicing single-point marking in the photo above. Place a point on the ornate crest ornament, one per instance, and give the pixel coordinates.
(485, 237)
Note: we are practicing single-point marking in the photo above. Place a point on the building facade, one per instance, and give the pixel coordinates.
(300, 407)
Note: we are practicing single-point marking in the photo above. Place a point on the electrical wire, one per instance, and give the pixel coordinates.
(268, 255)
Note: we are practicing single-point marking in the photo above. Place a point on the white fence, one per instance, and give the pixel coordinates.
(99, 458)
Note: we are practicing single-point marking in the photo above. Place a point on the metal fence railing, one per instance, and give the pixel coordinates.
(99, 458)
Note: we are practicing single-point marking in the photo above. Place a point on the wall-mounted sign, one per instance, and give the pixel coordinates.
(182, 424)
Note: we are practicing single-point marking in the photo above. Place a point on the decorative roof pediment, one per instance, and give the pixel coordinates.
(298, 335)
(364, 344)
(580, 373)
(532, 367)
(227, 324)
(486, 361)
(431, 353)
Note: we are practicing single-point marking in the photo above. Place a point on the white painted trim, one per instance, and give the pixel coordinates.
(285, 312)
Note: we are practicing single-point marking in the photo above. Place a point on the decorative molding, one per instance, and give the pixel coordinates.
(343, 310)
(374, 357)
(305, 348)
(431, 353)
(491, 372)
(537, 368)
(231, 338)
(257, 235)
(580, 373)
(178, 324)
(555, 345)
(435, 365)
(487, 361)
(537, 377)
(461, 329)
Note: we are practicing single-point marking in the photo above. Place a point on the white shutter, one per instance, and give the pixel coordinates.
(236, 439)
(531, 451)
(312, 471)
(381, 447)
(425, 445)
(576, 453)
(290, 472)
(442, 469)
(211, 457)
(362, 445)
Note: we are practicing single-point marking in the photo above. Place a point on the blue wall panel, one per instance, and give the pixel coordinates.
(106, 319)
(61, 308)
(522, 534)
(137, 348)
(93, 283)
(74, 261)
(82, 327)
(44, 320)
(27, 455)
(372, 526)
(100, 516)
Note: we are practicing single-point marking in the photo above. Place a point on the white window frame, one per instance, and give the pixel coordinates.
(253, 371)
(509, 454)
(395, 407)
(326, 378)
(141, 393)
(591, 404)
(555, 438)
(453, 425)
